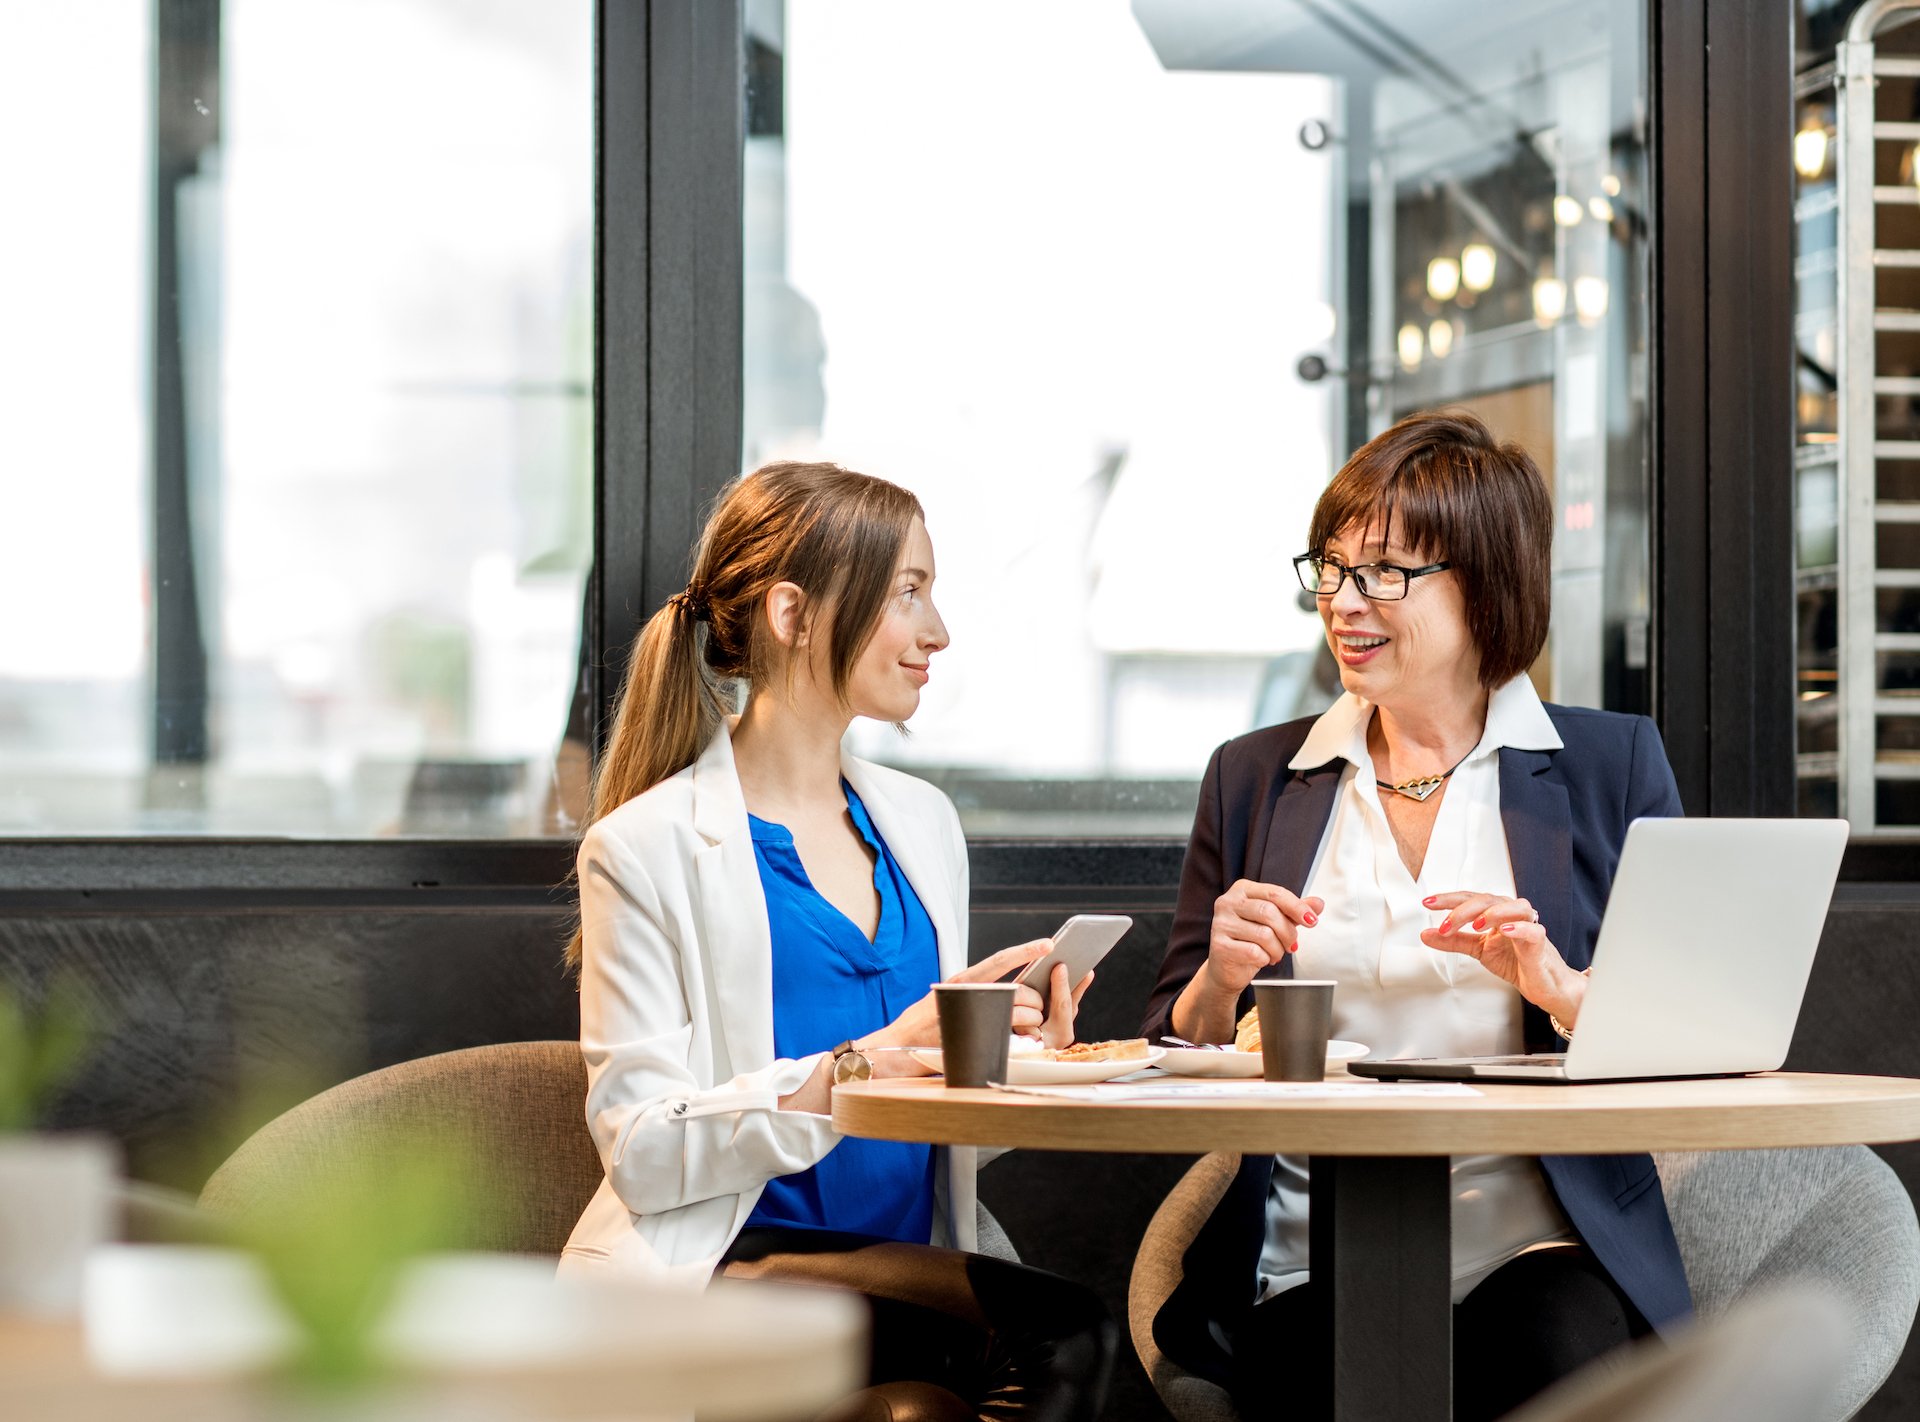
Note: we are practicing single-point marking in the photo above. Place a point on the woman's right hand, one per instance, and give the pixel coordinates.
(1255, 925)
(919, 1025)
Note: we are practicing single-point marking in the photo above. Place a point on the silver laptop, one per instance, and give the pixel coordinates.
(1703, 957)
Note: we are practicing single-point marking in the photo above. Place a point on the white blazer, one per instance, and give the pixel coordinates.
(676, 1016)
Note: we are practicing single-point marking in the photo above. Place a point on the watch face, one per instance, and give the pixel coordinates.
(851, 1066)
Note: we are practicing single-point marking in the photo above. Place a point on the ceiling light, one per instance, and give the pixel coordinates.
(1810, 152)
(1589, 299)
(1410, 347)
(1549, 300)
(1477, 263)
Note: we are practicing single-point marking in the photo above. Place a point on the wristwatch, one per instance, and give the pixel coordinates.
(851, 1064)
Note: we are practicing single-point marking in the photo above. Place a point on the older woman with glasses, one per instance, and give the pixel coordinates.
(1440, 844)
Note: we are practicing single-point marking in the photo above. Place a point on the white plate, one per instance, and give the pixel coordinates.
(1189, 1061)
(1038, 1071)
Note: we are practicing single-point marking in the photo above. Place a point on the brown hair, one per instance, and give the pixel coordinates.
(834, 533)
(1462, 497)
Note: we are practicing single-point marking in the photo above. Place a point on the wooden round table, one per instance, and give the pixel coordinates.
(1716, 1113)
(1380, 1229)
(184, 1334)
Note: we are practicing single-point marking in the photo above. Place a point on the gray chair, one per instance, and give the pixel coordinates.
(1733, 1367)
(519, 1106)
(1749, 1221)
(1746, 1221)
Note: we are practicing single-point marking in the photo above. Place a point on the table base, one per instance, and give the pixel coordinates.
(1380, 1236)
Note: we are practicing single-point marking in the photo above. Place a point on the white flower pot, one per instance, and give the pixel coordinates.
(56, 1204)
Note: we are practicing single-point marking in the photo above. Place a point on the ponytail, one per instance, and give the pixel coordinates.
(671, 707)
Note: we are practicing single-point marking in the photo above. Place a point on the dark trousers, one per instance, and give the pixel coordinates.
(1526, 1325)
(956, 1336)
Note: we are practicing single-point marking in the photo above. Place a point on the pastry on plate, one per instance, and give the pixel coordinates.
(1246, 1032)
(1125, 1050)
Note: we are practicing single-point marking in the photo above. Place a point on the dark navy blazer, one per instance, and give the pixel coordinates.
(1566, 814)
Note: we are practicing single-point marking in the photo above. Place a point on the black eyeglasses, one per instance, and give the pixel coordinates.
(1380, 582)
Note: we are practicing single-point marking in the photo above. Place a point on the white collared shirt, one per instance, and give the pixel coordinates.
(1398, 996)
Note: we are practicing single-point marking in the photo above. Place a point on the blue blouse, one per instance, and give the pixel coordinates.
(829, 985)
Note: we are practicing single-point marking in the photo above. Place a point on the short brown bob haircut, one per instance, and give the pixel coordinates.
(1460, 496)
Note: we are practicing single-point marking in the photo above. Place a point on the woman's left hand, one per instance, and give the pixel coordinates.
(1505, 936)
(1049, 1022)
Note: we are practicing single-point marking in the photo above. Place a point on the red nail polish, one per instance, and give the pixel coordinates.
(1428, 900)
(1480, 923)
(1509, 928)
(1310, 920)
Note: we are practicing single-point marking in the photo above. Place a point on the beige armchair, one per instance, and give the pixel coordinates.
(521, 1106)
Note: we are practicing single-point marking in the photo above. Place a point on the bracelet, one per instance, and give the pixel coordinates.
(1566, 1033)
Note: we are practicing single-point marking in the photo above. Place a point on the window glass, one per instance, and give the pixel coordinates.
(1116, 288)
(1857, 448)
(297, 484)
(1816, 542)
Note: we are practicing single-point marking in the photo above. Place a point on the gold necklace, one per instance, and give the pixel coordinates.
(1422, 788)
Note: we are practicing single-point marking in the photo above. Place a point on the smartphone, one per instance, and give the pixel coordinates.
(1081, 941)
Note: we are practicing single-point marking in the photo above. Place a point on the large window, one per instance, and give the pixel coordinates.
(295, 481)
(1857, 449)
(1115, 289)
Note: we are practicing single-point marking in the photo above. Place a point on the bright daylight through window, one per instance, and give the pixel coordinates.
(1118, 316)
(295, 481)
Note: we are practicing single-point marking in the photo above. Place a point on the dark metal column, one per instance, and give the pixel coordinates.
(1749, 202)
(186, 130)
(672, 125)
(697, 118)
(1380, 1239)
(616, 601)
(1723, 291)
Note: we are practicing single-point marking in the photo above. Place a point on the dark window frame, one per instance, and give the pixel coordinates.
(669, 122)
(1723, 467)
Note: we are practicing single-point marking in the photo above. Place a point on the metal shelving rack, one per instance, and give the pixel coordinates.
(1867, 752)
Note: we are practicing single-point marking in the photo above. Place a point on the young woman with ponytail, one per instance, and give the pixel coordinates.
(760, 912)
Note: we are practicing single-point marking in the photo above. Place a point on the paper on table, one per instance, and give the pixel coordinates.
(1189, 1088)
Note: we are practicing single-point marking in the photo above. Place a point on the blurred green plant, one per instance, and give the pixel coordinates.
(40, 1050)
(335, 1244)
